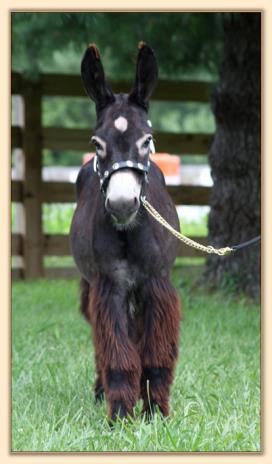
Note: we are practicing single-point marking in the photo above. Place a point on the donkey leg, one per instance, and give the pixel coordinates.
(120, 362)
(160, 344)
(98, 386)
(84, 298)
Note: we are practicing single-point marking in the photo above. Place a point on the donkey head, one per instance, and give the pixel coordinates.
(122, 135)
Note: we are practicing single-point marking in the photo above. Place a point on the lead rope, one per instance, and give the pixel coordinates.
(207, 249)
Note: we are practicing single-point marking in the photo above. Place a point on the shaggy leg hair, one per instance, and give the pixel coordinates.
(118, 358)
(125, 372)
(85, 296)
(160, 344)
(98, 386)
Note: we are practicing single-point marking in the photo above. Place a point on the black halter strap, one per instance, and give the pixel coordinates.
(117, 166)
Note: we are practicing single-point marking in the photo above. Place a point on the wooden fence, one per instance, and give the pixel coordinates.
(32, 192)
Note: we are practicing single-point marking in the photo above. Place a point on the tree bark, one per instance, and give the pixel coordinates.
(235, 157)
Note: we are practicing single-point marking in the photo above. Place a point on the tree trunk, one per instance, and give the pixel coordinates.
(235, 157)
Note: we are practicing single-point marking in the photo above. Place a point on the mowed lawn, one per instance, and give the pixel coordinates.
(215, 400)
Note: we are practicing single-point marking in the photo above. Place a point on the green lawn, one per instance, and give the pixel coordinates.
(215, 399)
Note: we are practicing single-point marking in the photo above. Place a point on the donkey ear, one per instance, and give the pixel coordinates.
(93, 77)
(146, 76)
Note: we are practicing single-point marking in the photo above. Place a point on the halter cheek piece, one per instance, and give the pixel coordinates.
(104, 176)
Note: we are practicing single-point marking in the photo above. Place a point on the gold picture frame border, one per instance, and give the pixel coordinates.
(6, 456)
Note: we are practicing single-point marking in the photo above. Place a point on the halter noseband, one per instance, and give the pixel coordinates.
(117, 166)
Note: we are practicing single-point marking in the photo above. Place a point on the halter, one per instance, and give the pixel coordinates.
(117, 166)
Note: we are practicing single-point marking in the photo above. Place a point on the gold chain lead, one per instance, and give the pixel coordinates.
(207, 249)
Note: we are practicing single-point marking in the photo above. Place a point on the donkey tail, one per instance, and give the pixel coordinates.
(84, 298)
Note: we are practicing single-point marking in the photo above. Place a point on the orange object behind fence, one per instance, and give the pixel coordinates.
(87, 157)
(169, 164)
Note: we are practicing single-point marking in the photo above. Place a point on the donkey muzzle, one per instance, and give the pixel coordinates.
(123, 196)
(123, 210)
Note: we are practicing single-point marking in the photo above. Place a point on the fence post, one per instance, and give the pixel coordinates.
(18, 169)
(32, 183)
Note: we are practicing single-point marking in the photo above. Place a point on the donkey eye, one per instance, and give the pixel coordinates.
(147, 142)
(143, 145)
(100, 146)
(96, 143)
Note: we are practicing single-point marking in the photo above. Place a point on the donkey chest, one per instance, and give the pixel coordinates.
(123, 272)
(128, 256)
(130, 264)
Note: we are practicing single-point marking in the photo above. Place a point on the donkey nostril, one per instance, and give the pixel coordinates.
(110, 206)
(122, 209)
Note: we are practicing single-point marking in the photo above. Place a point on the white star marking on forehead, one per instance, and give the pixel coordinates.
(121, 124)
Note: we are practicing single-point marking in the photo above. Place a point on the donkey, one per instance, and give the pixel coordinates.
(123, 255)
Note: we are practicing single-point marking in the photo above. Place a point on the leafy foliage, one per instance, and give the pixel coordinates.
(184, 42)
(54, 42)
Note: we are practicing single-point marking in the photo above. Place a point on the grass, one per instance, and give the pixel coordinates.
(195, 228)
(215, 400)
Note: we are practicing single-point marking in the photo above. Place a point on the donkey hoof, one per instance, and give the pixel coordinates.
(99, 396)
(118, 411)
(99, 393)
